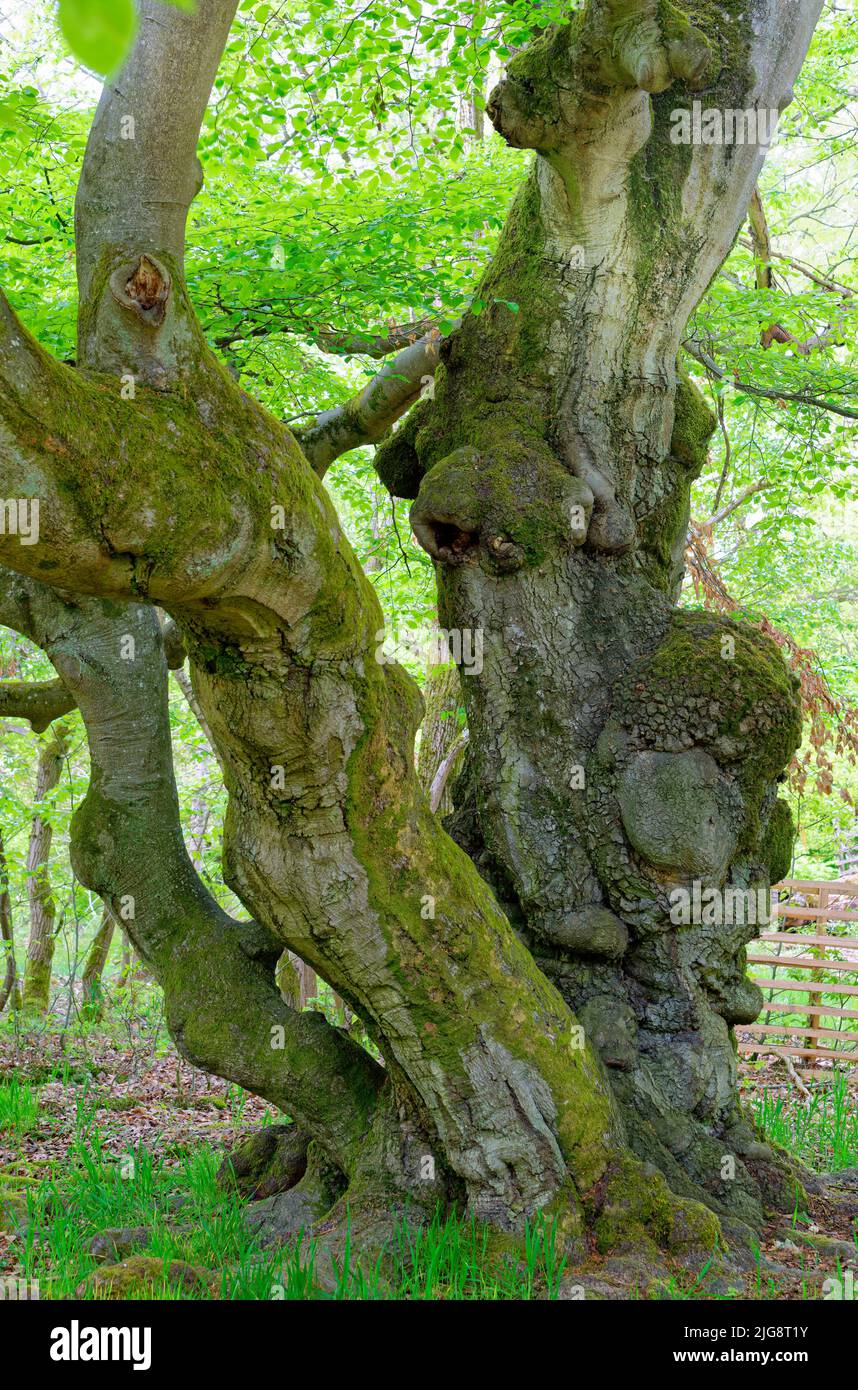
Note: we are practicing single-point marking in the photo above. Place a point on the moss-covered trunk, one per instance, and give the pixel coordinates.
(92, 988)
(621, 752)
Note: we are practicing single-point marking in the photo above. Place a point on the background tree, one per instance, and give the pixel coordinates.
(40, 946)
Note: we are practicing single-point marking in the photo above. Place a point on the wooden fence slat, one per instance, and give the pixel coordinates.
(828, 1010)
(803, 988)
(803, 927)
(848, 1058)
(814, 914)
(773, 1028)
(847, 887)
(846, 943)
(803, 963)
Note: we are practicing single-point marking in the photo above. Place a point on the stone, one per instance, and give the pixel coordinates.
(139, 1273)
(116, 1242)
(13, 1212)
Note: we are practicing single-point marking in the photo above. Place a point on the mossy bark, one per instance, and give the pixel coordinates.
(92, 989)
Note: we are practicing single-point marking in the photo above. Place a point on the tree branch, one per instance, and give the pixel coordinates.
(439, 781)
(371, 413)
(223, 1008)
(336, 342)
(747, 492)
(140, 174)
(40, 702)
(695, 349)
(82, 453)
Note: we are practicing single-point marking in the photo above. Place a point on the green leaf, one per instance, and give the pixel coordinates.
(99, 32)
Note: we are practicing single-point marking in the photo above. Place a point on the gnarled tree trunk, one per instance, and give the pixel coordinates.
(613, 753)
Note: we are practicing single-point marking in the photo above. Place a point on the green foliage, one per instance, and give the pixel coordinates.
(19, 1106)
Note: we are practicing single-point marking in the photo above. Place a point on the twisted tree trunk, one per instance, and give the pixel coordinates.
(619, 749)
(614, 753)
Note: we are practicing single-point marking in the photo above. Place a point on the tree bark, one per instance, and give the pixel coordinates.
(40, 947)
(440, 732)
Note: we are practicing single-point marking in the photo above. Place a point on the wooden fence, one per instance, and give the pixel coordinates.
(816, 1024)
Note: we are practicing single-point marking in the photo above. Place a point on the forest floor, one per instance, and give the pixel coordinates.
(109, 1151)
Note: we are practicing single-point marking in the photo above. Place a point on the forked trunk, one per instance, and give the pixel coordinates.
(619, 750)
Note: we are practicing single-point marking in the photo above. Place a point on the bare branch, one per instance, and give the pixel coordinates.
(825, 282)
(760, 240)
(336, 342)
(747, 492)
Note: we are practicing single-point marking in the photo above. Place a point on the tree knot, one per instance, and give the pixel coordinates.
(144, 289)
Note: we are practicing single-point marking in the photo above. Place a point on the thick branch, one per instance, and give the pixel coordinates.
(83, 454)
(41, 702)
(371, 413)
(140, 171)
(140, 174)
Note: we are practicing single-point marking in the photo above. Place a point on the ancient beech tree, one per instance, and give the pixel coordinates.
(549, 1037)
